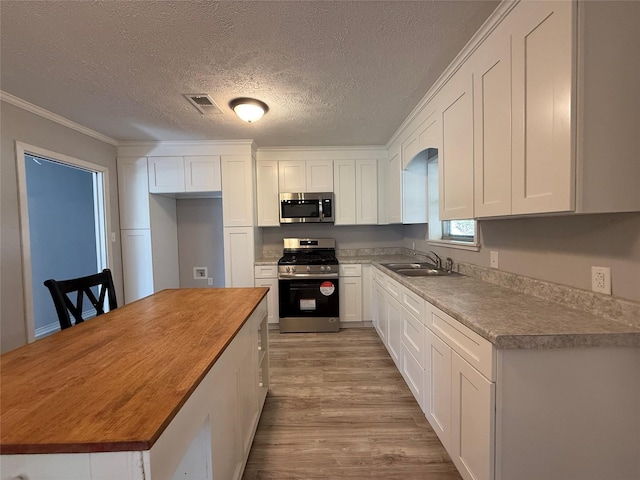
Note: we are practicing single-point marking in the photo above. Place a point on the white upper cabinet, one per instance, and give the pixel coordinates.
(543, 168)
(292, 176)
(366, 192)
(305, 176)
(267, 194)
(345, 192)
(237, 191)
(456, 155)
(319, 175)
(166, 174)
(200, 173)
(356, 192)
(492, 125)
(394, 187)
(133, 193)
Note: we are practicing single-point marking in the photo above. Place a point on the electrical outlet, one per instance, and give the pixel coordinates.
(210, 281)
(601, 280)
(493, 259)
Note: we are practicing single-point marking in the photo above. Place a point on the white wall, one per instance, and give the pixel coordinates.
(21, 125)
(556, 249)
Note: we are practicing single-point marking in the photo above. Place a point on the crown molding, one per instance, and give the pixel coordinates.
(180, 143)
(487, 27)
(322, 148)
(30, 107)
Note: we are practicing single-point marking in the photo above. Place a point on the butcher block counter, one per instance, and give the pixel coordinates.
(123, 381)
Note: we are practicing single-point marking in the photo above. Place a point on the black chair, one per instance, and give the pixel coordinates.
(60, 290)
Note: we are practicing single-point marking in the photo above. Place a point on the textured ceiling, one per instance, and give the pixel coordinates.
(332, 72)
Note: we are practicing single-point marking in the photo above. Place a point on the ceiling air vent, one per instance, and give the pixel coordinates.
(203, 102)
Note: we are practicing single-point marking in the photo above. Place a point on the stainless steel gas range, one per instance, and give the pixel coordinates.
(308, 285)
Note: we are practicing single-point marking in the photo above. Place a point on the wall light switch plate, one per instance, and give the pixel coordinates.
(210, 281)
(494, 259)
(601, 280)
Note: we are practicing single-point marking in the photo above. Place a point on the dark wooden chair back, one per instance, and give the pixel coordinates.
(60, 293)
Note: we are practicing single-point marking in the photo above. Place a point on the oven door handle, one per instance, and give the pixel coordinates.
(308, 276)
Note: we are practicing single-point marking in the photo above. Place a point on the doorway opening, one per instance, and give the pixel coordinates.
(63, 228)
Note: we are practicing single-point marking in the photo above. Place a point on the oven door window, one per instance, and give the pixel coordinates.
(300, 209)
(309, 298)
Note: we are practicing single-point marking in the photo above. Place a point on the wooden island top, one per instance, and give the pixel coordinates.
(114, 383)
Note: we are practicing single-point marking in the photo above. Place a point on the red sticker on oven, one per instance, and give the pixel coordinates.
(327, 288)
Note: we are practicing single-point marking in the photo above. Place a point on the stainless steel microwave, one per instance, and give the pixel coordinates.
(306, 207)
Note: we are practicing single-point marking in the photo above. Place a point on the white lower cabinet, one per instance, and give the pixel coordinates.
(380, 312)
(350, 293)
(238, 256)
(456, 398)
(267, 276)
(514, 414)
(137, 264)
(437, 391)
(472, 421)
(394, 326)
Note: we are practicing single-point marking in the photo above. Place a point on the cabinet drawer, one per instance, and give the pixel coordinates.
(476, 350)
(350, 270)
(393, 288)
(414, 303)
(378, 276)
(265, 271)
(413, 336)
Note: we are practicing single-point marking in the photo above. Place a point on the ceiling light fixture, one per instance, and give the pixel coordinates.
(249, 109)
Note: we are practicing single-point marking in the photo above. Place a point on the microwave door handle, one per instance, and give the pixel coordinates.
(320, 212)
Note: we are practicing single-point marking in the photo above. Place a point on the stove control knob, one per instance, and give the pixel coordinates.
(293, 269)
(308, 268)
(288, 269)
(322, 268)
(328, 268)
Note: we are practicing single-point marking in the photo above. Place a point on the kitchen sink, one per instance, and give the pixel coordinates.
(425, 272)
(417, 269)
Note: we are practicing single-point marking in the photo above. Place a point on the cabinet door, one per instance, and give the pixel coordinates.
(472, 421)
(381, 313)
(395, 330)
(166, 174)
(137, 264)
(437, 386)
(367, 292)
(350, 299)
(345, 192)
(319, 175)
(456, 158)
(413, 375)
(202, 173)
(492, 125)
(366, 187)
(133, 193)
(238, 256)
(273, 315)
(394, 189)
(543, 175)
(237, 191)
(267, 190)
(292, 176)
(226, 448)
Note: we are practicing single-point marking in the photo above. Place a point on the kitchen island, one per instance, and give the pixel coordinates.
(170, 386)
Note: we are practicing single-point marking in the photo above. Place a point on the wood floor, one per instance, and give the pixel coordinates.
(339, 408)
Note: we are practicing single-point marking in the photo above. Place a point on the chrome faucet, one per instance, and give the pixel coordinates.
(448, 266)
(435, 259)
